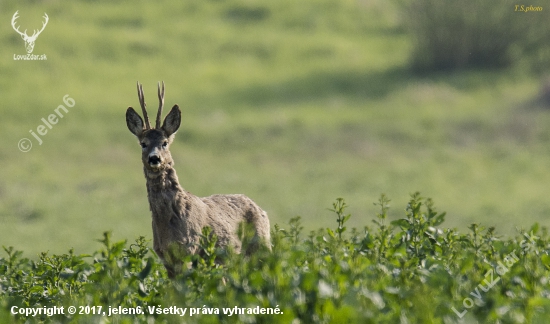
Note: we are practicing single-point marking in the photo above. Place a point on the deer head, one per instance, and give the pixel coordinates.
(155, 142)
(29, 40)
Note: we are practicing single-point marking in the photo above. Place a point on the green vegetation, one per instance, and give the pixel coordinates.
(408, 271)
(473, 33)
(291, 103)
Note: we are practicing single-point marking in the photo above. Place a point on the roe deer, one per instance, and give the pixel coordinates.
(179, 216)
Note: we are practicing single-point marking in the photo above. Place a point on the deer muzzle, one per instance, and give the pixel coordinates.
(154, 160)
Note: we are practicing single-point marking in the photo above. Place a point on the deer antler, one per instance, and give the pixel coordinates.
(161, 104)
(13, 19)
(143, 105)
(36, 33)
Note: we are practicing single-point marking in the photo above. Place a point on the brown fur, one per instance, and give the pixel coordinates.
(179, 216)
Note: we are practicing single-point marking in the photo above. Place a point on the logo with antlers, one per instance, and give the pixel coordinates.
(29, 40)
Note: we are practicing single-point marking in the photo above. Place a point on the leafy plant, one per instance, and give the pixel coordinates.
(410, 270)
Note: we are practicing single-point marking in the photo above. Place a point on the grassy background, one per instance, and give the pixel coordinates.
(291, 103)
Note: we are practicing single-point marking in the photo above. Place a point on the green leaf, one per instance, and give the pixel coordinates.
(403, 223)
(546, 261)
(145, 272)
(36, 289)
(535, 228)
(142, 291)
(439, 219)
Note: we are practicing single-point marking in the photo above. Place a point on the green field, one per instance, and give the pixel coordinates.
(413, 270)
(293, 103)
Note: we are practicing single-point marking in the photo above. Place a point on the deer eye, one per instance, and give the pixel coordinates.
(143, 145)
(164, 145)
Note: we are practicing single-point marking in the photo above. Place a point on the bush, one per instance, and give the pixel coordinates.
(452, 35)
(406, 271)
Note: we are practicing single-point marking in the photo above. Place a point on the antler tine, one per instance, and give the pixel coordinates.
(143, 105)
(161, 104)
(13, 19)
(37, 32)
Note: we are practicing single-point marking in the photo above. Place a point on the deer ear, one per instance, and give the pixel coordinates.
(134, 122)
(172, 121)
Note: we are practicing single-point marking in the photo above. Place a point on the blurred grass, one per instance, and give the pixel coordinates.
(476, 34)
(292, 104)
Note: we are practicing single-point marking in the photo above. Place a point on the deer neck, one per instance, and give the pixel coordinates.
(162, 183)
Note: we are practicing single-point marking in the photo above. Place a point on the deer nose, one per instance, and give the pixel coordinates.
(154, 160)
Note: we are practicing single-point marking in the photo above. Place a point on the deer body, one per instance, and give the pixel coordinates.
(177, 215)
